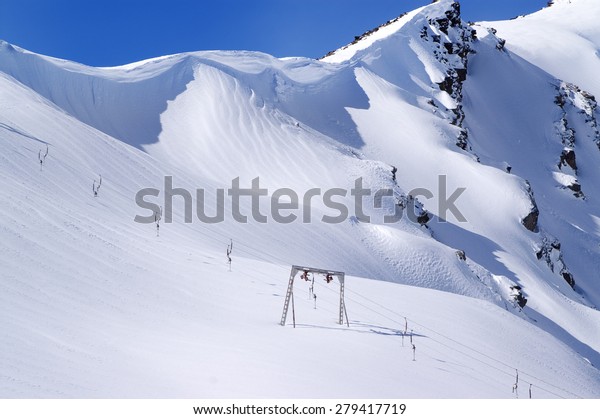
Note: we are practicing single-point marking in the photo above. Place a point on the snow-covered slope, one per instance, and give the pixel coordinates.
(562, 39)
(96, 305)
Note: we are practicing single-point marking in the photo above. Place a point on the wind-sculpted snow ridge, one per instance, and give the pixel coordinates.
(495, 160)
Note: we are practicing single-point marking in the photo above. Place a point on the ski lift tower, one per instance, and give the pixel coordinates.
(329, 275)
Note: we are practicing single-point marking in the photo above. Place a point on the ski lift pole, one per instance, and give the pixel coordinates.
(346, 314)
(229, 250)
(342, 301)
(293, 311)
(530, 385)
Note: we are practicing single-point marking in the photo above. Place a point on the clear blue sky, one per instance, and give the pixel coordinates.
(112, 32)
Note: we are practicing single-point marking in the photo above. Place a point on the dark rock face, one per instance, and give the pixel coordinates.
(518, 296)
(567, 276)
(443, 25)
(548, 246)
(531, 220)
(461, 140)
(575, 187)
(461, 255)
(452, 40)
(567, 158)
(453, 15)
(461, 73)
(423, 218)
(447, 85)
(577, 108)
(550, 252)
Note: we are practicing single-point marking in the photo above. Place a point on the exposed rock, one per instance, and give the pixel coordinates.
(461, 140)
(447, 85)
(517, 296)
(567, 276)
(452, 45)
(550, 252)
(415, 210)
(443, 25)
(461, 73)
(413, 207)
(461, 255)
(531, 219)
(459, 117)
(577, 108)
(575, 187)
(453, 15)
(423, 218)
(571, 97)
(567, 158)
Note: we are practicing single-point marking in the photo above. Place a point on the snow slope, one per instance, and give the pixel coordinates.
(96, 305)
(562, 39)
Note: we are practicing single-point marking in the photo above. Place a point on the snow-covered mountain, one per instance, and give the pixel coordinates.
(498, 119)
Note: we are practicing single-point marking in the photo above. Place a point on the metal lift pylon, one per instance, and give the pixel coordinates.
(289, 296)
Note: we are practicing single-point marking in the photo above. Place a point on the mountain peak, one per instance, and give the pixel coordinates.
(447, 12)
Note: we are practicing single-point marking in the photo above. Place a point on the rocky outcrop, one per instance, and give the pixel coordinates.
(573, 103)
(409, 205)
(414, 209)
(565, 132)
(567, 158)
(452, 43)
(577, 107)
(549, 252)
(517, 296)
(530, 221)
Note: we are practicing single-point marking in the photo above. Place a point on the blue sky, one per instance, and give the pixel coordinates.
(112, 32)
